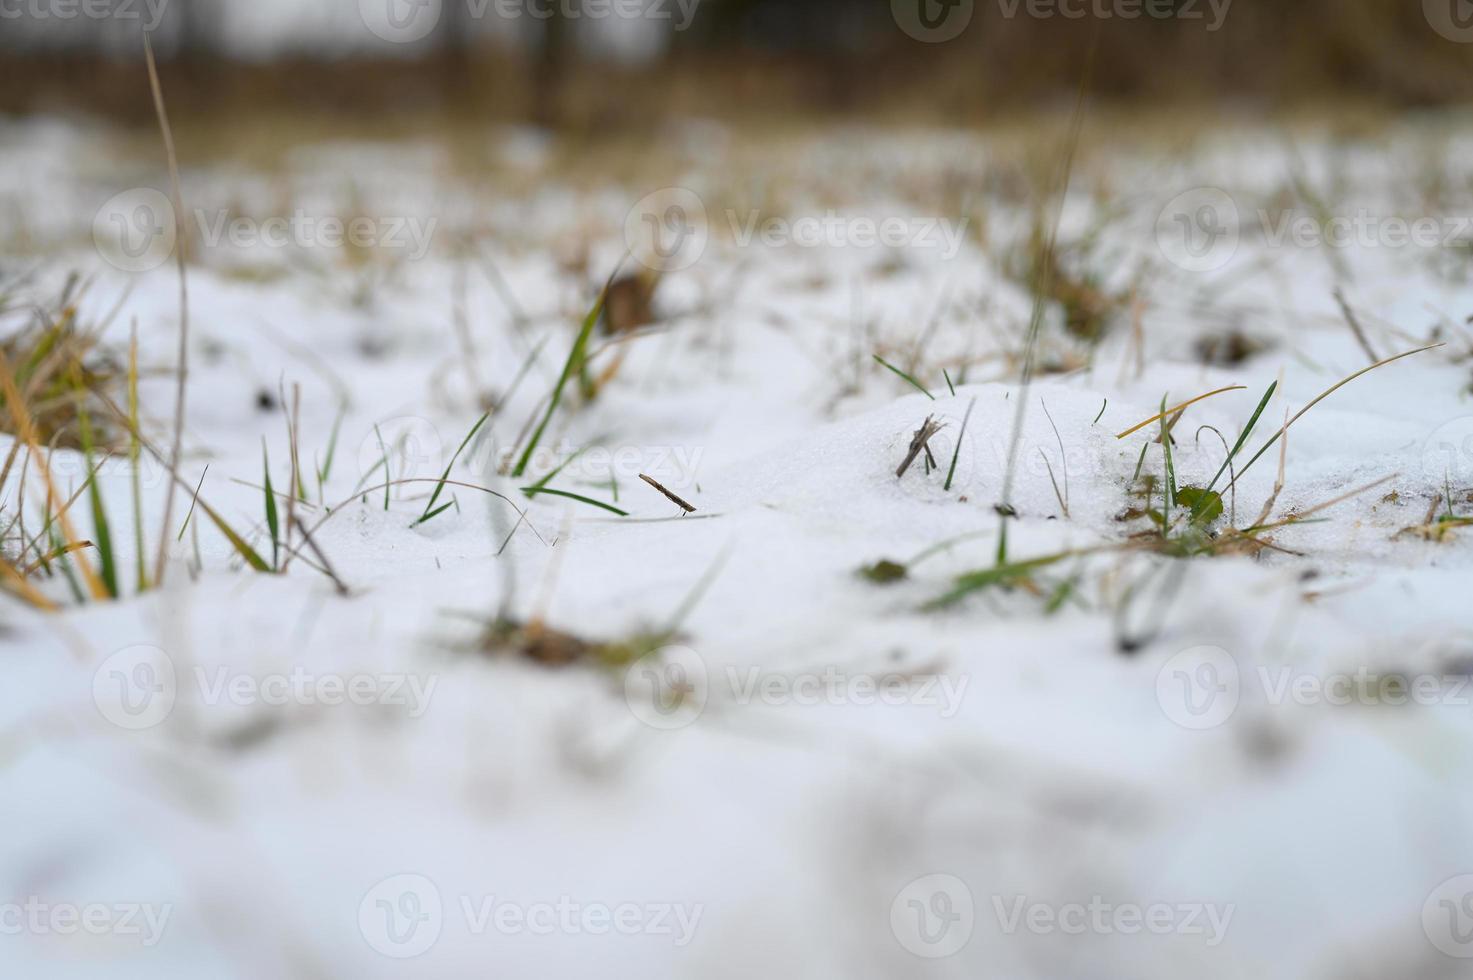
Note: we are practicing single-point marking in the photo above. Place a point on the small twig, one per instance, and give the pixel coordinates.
(919, 442)
(325, 565)
(672, 497)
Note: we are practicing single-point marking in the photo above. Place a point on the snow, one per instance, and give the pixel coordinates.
(290, 830)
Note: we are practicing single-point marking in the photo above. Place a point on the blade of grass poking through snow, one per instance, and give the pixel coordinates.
(912, 381)
(134, 453)
(25, 430)
(181, 248)
(956, 453)
(241, 546)
(1321, 397)
(570, 367)
(1003, 573)
(440, 486)
(384, 462)
(192, 504)
(560, 467)
(272, 522)
(1042, 289)
(1168, 489)
(539, 491)
(1165, 412)
(949, 386)
(1205, 500)
(1063, 461)
(100, 528)
(325, 470)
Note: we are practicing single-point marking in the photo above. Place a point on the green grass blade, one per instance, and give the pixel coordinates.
(562, 466)
(571, 366)
(272, 521)
(440, 486)
(1247, 431)
(106, 558)
(135, 453)
(1002, 574)
(912, 381)
(192, 503)
(536, 491)
(956, 455)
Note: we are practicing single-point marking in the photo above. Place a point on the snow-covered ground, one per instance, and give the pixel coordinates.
(1127, 766)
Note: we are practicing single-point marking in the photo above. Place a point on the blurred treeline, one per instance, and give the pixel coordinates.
(738, 58)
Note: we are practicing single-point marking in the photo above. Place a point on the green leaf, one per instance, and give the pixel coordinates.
(272, 523)
(539, 491)
(1205, 505)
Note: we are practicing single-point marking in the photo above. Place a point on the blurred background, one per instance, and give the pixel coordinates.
(626, 65)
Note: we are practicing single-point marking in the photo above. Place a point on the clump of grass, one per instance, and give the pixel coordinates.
(536, 641)
(59, 365)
